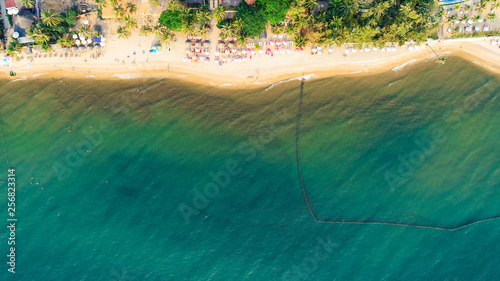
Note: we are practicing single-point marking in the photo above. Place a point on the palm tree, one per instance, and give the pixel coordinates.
(50, 18)
(237, 25)
(66, 41)
(101, 3)
(38, 35)
(166, 37)
(491, 17)
(131, 7)
(495, 5)
(154, 2)
(277, 28)
(122, 32)
(14, 48)
(114, 3)
(188, 29)
(28, 3)
(467, 7)
(119, 11)
(130, 22)
(219, 13)
(299, 40)
(85, 31)
(146, 30)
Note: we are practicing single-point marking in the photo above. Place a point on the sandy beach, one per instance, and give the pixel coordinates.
(129, 58)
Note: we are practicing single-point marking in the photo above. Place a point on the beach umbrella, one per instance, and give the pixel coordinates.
(253, 51)
(477, 28)
(280, 36)
(197, 43)
(320, 52)
(75, 36)
(320, 49)
(81, 48)
(494, 42)
(393, 48)
(268, 51)
(189, 43)
(289, 50)
(410, 47)
(330, 50)
(77, 42)
(278, 43)
(227, 51)
(459, 29)
(367, 49)
(470, 21)
(206, 43)
(347, 50)
(217, 52)
(375, 49)
(285, 42)
(486, 28)
(450, 29)
(271, 43)
(282, 50)
(74, 48)
(103, 39)
(244, 51)
(231, 44)
(382, 49)
(86, 21)
(90, 47)
(457, 21)
(15, 35)
(97, 46)
(197, 50)
(89, 40)
(207, 52)
(13, 11)
(314, 50)
(234, 50)
(468, 29)
(417, 47)
(261, 51)
(103, 43)
(354, 50)
(480, 20)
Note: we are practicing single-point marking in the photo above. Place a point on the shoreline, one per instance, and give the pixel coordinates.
(261, 71)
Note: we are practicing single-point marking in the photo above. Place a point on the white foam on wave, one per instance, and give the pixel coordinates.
(225, 85)
(19, 79)
(305, 77)
(39, 74)
(124, 75)
(490, 68)
(90, 76)
(400, 67)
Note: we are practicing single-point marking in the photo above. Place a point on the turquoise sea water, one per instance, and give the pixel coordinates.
(184, 182)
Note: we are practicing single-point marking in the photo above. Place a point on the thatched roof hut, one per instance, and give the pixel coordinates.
(23, 21)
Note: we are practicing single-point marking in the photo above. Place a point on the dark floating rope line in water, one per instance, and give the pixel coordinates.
(306, 198)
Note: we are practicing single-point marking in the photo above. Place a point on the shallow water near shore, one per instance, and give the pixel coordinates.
(153, 179)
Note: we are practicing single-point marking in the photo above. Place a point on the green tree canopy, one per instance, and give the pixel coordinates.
(172, 19)
(253, 19)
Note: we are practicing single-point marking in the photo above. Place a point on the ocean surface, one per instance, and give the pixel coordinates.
(157, 179)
